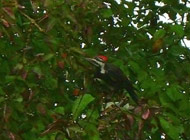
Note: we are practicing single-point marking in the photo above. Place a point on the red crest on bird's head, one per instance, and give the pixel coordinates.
(103, 58)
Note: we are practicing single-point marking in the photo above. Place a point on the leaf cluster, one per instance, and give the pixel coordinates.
(47, 89)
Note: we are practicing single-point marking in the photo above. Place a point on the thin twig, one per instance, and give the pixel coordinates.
(32, 21)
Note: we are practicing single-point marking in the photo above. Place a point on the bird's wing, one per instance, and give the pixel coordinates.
(119, 78)
(115, 73)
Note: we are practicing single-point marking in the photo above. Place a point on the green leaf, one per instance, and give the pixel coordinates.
(174, 93)
(76, 129)
(18, 18)
(19, 99)
(37, 70)
(91, 129)
(50, 83)
(159, 34)
(47, 57)
(1, 91)
(125, 22)
(178, 29)
(4, 67)
(135, 66)
(171, 130)
(2, 99)
(19, 66)
(51, 24)
(29, 136)
(80, 104)
(59, 136)
(60, 110)
(166, 102)
(9, 78)
(106, 13)
(40, 125)
(93, 114)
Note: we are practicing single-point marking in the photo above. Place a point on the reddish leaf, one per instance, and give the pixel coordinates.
(56, 125)
(140, 126)
(31, 95)
(64, 55)
(41, 108)
(5, 23)
(54, 116)
(60, 64)
(11, 136)
(131, 119)
(146, 114)
(24, 75)
(89, 31)
(1, 34)
(7, 113)
(157, 45)
(138, 110)
(9, 11)
(76, 92)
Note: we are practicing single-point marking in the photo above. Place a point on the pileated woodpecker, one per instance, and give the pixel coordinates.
(112, 75)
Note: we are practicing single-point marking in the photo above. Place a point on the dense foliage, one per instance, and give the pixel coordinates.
(47, 89)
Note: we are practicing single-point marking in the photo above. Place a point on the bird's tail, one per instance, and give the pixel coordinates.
(131, 91)
(133, 96)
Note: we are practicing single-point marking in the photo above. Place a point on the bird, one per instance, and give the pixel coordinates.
(112, 75)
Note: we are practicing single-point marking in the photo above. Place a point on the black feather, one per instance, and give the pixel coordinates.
(115, 77)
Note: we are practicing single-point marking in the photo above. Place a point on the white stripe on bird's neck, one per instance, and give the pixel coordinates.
(102, 69)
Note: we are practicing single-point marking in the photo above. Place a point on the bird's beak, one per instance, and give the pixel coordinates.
(91, 60)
